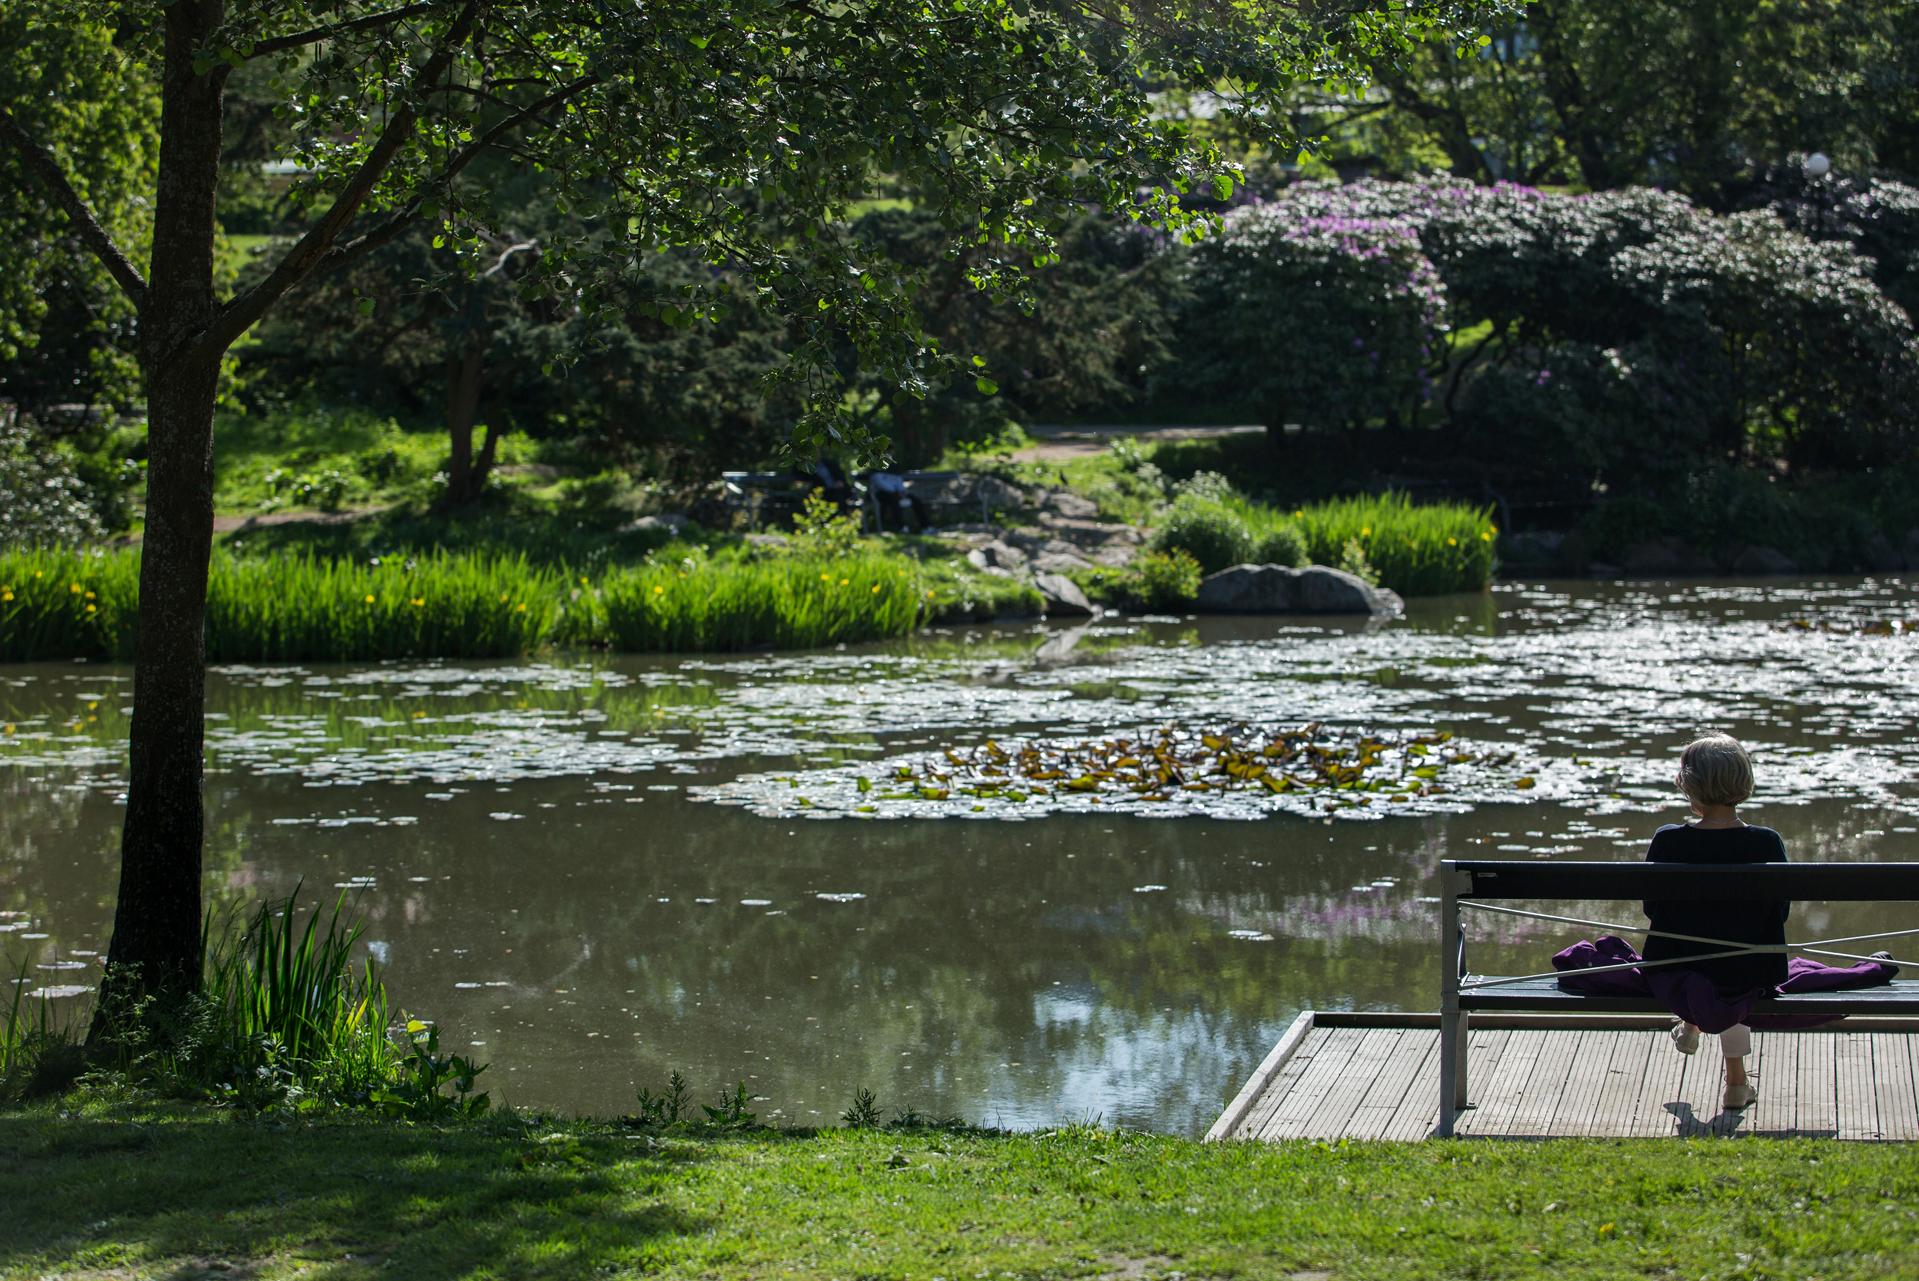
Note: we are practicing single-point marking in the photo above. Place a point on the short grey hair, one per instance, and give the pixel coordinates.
(1715, 770)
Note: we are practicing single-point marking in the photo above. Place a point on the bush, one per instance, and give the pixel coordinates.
(1208, 530)
(1160, 581)
(1321, 318)
(44, 502)
(1282, 544)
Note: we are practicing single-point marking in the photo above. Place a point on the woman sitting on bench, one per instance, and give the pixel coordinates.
(1715, 773)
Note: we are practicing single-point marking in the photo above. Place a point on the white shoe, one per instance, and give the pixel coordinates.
(1685, 1038)
(1740, 1097)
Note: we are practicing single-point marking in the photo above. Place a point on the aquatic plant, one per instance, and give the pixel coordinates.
(1417, 549)
(789, 602)
(1157, 767)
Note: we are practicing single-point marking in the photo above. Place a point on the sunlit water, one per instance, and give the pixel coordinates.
(598, 872)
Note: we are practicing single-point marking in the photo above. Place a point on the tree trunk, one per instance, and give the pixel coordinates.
(156, 925)
(463, 479)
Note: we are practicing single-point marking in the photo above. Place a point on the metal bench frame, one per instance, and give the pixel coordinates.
(1464, 883)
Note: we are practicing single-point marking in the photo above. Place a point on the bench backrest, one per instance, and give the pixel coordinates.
(1832, 882)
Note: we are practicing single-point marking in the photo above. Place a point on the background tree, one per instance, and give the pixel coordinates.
(743, 129)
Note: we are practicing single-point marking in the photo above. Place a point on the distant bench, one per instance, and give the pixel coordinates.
(1465, 883)
(761, 495)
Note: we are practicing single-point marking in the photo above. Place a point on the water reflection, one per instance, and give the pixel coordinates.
(522, 840)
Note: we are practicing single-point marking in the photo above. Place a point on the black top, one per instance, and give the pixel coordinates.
(1742, 920)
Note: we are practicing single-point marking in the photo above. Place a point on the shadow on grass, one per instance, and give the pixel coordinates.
(193, 1195)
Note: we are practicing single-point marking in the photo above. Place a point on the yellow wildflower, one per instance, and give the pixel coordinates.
(91, 608)
(6, 596)
(826, 578)
(418, 602)
(929, 596)
(520, 608)
(7, 730)
(658, 590)
(369, 598)
(845, 581)
(90, 596)
(502, 598)
(876, 589)
(1485, 538)
(1365, 531)
(76, 589)
(1452, 542)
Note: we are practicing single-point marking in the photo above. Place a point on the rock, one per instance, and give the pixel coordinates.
(1281, 589)
(1063, 597)
(1912, 548)
(997, 555)
(1059, 562)
(769, 540)
(1542, 548)
(1882, 557)
(1666, 556)
(1759, 559)
(1061, 502)
(665, 522)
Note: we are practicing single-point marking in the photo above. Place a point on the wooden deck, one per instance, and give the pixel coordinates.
(1376, 1076)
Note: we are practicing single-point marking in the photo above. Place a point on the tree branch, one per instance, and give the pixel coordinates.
(391, 228)
(96, 237)
(297, 39)
(241, 312)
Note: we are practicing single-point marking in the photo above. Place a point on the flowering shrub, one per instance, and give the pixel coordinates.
(43, 501)
(1321, 318)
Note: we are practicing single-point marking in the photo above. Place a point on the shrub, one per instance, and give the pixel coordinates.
(1282, 544)
(1156, 580)
(1303, 315)
(1208, 530)
(44, 502)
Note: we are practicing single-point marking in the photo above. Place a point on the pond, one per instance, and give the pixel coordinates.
(595, 872)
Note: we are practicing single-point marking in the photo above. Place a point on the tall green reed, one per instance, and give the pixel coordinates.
(789, 603)
(1418, 549)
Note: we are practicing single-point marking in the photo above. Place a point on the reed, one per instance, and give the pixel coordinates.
(1423, 549)
(787, 603)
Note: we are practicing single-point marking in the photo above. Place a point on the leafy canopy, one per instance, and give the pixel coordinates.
(748, 130)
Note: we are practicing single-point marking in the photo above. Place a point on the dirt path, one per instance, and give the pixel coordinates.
(1057, 444)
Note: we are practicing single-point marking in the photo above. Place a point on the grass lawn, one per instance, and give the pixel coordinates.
(129, 1190)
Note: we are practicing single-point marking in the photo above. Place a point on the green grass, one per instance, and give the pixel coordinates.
(57, 605)
(129, 1190)
(310, 457)
(1417, 549)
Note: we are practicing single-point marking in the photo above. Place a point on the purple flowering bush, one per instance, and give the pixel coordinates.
(1323, 318)
(1628, 332)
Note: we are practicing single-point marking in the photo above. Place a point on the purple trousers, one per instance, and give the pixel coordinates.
(1692, 996)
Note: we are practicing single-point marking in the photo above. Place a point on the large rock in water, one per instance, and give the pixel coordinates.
(1063, 597)
(1281, 589)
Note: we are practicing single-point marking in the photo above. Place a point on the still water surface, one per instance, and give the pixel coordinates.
(600, 871)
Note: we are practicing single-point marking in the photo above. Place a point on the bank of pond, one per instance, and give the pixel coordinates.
(820, 587)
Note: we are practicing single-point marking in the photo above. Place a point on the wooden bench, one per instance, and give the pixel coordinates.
(1475, 883)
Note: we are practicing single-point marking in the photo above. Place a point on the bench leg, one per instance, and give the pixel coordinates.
(1452, 1075)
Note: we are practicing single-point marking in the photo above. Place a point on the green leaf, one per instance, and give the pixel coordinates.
(987, 387)
(1222, 187)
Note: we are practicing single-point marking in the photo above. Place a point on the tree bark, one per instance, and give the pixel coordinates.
(155, 950)
(463, 477)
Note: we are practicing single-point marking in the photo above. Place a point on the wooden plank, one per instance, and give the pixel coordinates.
(1701, 1086)
(1544, 1088)
(1892, 1086)
(1776, 1073)
(1586, 1076)
(1858, 1106)
(1375, 1051)
(1626, 1055)
(1249, 1093)
(1418, 1113)
(1330, 1057)
(1390, 1084)
(1813, 1102)
(1500, 1096)
(1280, 1085)
(1661, 1086)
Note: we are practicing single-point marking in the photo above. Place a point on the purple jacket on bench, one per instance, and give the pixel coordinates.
(1692, 996)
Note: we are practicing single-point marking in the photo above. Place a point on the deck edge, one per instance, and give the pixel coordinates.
(1256, 1083)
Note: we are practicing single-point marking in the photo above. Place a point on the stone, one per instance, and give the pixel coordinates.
(1543, 548)
(1048, 562)
(768, 540)
(1912, 547)
(1063, 597)
(998, 555)
(1658, 556)
(1759, 559)
(1281, 589)
(665, 522)
(1065, 503)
